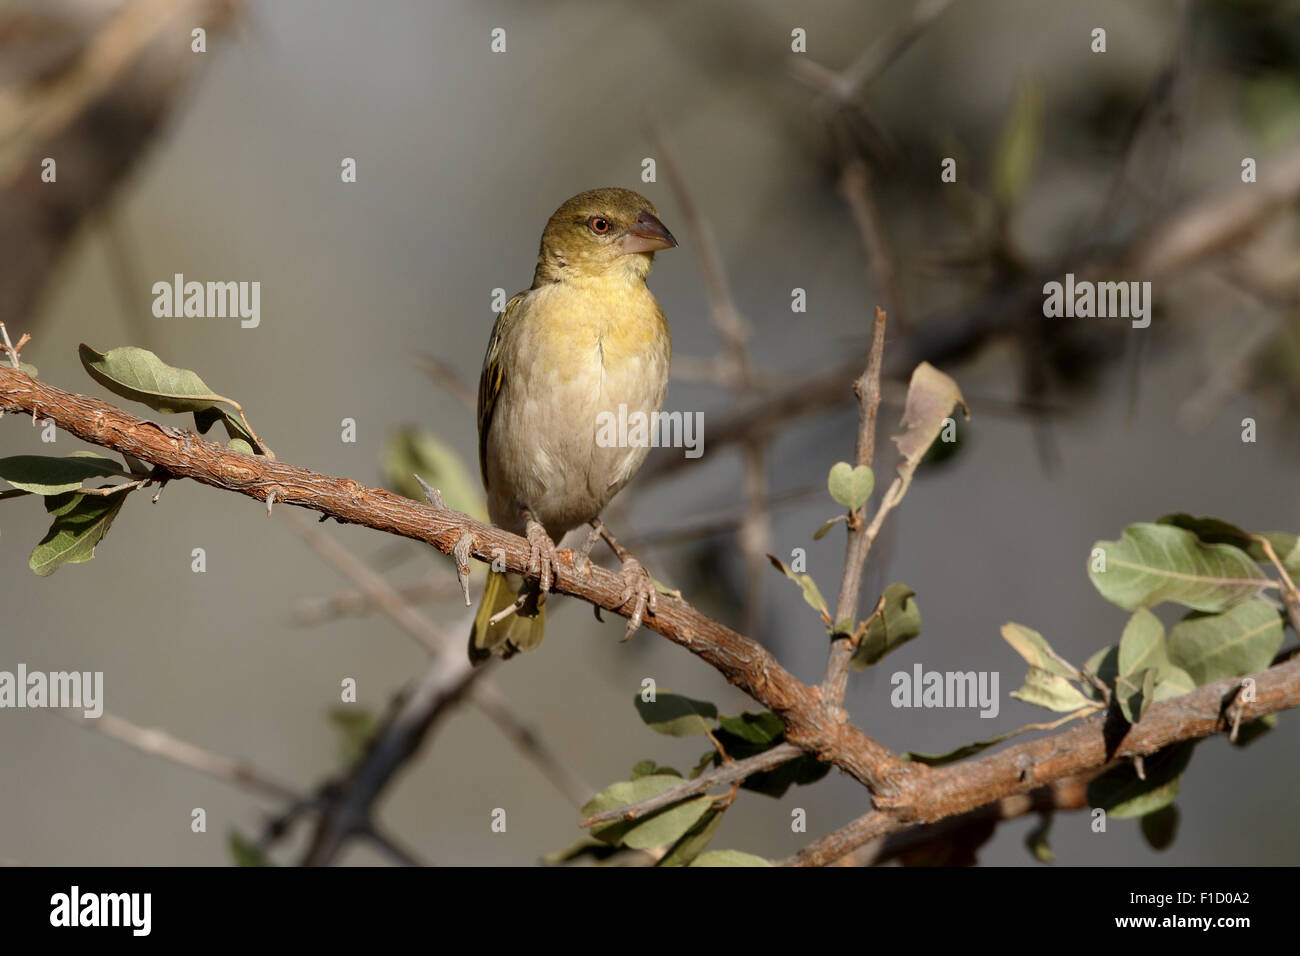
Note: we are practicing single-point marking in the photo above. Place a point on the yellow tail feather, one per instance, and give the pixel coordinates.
(521, 631)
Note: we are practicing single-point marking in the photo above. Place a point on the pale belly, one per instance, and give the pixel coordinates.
(542, 449)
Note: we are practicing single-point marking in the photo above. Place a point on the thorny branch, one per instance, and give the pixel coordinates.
(903, 794)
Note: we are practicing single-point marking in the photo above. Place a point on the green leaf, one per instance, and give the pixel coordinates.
(1240, 641)
(1143, 643)
(52, 476)
(1104, 665)
(594, 849)
(1214, 531)
(1172, 681)
(79, 525)
(1034, 648)
(414, 451)
(850, 486)
(239, 435)
(1160, 826)
(246, 853)
(143, 377)
(801, 771)
(806, 584)
(657, 829)
(648, 768)
(750, 734)
(1134, 692)
(622, 794)
(764, 729)
(693, 841)
(826, 527)
(1152, 563)
(675, 715)
(28, 369)
(729, 858)
(1122, 794)
(1018, 143)
(1046, 689)
(931, 396)
(889, 627)
(960, 753)
(355, 726)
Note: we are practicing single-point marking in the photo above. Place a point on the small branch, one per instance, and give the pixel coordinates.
(159, 743)
(725, 774)
(1290, 596)
(867, 389)
(349, 809)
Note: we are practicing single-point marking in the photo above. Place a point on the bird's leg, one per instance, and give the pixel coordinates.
(638, 585)
(542, 557)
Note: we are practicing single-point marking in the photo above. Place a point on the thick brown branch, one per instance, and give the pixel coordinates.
(744, 663)
(931, 795)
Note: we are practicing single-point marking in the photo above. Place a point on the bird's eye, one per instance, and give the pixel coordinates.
(598, 224)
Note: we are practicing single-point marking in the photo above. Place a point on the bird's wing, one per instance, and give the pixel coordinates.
(492, 377)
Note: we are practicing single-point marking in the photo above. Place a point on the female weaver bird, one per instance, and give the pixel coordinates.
(585, 338)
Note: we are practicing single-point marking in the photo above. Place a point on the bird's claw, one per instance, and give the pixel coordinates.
(542, 556)
(638, 587)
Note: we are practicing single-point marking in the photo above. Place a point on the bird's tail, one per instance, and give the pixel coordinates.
(521, 631)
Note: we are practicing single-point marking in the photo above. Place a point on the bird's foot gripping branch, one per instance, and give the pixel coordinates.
(1130, 715)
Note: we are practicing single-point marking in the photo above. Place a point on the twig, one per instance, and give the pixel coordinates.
(349, 809)
(159, 743)
(726, 773)
(449, 378)
(10, 349)
(867, 390)
(1290, 595)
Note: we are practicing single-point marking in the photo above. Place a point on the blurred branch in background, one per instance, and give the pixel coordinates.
(88, 85)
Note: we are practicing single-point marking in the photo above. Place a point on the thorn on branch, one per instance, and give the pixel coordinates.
(462, 550)
(432, 494)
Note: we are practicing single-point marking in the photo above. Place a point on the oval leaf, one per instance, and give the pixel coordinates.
(811, 593)
(143, 377)
(1143, 643)
(676, 715)
(1034, 648)
(1152, 563)
(931, 396)
(893, 625)
(1046, 689)
(1123, 794)
(1238, 642)
(78, 526)
(52, 476)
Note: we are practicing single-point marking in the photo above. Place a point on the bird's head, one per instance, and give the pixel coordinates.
(601, 233)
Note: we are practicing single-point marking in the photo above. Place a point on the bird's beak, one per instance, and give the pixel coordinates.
(646, 235)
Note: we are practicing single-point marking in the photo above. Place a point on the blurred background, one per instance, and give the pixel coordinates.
(814, 170)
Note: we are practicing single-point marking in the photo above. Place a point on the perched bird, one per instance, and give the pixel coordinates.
(585, 338)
